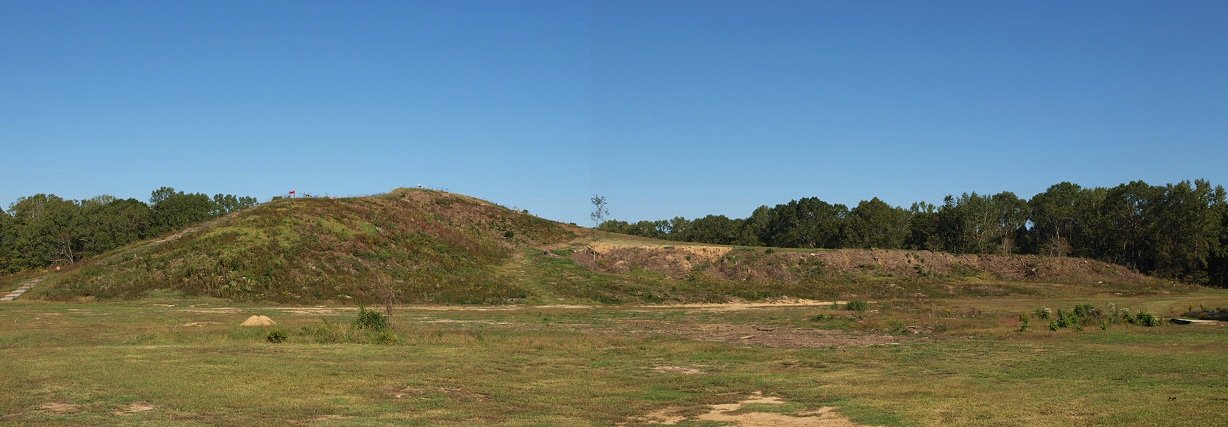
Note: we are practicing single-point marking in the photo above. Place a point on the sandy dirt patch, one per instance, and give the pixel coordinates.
(133, 408)
(746, 305)
(59, 408)
(677, 370)
(198, 324)
(452, 392)
(737, 414)
(783, 337)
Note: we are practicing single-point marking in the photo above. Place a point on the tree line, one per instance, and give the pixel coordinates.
(45, 229)
(1176, 230)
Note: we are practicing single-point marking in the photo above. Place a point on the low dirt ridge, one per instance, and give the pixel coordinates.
(761, 264)
(416, 246)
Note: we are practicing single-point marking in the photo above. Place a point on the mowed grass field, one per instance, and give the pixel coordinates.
(186, 361)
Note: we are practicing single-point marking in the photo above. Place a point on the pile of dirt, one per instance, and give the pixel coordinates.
(258, 321)
(675, 262)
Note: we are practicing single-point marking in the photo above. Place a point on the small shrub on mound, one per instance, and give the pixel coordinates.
(856, 305)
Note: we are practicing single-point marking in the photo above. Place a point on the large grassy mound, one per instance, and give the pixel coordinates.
(424, 246)
(417, 245)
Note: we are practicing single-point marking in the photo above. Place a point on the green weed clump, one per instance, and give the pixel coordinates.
(857, 305)
(276, 336)
(327, 332)
(1146, 319)
(1088, 315)
(370, 319)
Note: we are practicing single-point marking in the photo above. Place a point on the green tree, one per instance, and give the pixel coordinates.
(1185, 229)
(754, 231)
(174, 210)
(1124, 228)
(875, 224)
(113, 224)
(923, 226)
(717, 229)
(615, 226)
(46, 229)
(973, 223)
(1055, 216)
(1217, 265)
(1012, 218)
(6, 241)
(161, 194)
(227, 203)
(807, 223)
(678, 228)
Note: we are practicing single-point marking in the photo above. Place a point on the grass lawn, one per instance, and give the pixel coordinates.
(175, 361)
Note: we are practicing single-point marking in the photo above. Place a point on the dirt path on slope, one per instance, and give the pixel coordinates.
(17, 293)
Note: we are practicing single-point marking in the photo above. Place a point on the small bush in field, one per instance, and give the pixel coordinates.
(276, 336)
(857, 305)
(370, 319)
(1023, 322)
(1146, 319)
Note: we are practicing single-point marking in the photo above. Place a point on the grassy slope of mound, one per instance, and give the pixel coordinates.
(424, 245)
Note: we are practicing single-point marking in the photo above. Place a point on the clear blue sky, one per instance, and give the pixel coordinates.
(666, 107)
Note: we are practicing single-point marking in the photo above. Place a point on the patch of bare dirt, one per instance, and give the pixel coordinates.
(737, 305)
(665, 416)
(782, 337)
(134, 408)
(677, 370)
(211, 310)
(59, 408)
(737, 414)
(454, 392)
(313, 311)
